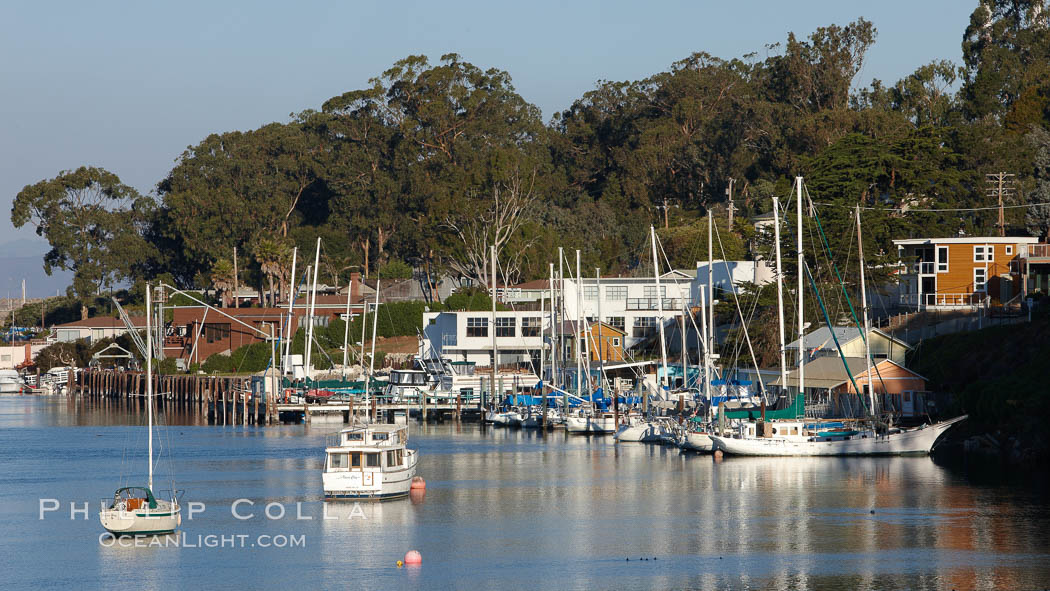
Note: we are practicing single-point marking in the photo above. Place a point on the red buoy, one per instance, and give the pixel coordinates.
(413, 557)
(418, 483)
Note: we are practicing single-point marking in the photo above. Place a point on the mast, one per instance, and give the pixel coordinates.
(601, 357)
(685, 359)
(346, 324)
(579, 329)
(372, 360)
(149, 383)
(543, 356)
(801, 272)
(711, 279)
(780, 294)
(293, 287)
(495, 350)
(313, 302)
(707, 354)
(561, 316)
(660, 307)
(554, 338)
(867, 329)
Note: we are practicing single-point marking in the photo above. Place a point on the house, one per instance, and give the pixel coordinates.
(1036, 260)
(830, 391)
(95, 329)
(467, 336)
(18, 356)
(821, 343)
(601, 342)
(763, 222)
(960, 272)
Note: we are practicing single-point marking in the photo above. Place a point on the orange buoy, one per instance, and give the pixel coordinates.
(418, 483)
(413, 557)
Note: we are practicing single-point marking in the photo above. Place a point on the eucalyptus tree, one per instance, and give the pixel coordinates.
(94, 224)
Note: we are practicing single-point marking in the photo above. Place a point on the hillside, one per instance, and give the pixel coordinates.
(999, 377)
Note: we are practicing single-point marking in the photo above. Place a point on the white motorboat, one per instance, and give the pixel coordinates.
(135, 510)
(369, 462)
(591, 424)
(10, 382)
(504, 418)
(799, 438)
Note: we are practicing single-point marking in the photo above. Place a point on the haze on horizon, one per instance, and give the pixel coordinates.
(128, 86)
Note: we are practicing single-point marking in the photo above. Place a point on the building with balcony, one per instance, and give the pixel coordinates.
(961, 272)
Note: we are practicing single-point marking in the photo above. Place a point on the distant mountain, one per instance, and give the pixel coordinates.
(24, 259)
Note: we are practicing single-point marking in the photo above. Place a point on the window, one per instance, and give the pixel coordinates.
(615, 293)
(615, 341)
(942, 259)
(347, 437)
(505, 327)
(391, 458)
(372, 460)
(650, 291)
(980, 278)
(530, 326)
(477, 327)
(1009, 249)
(983, 254)
(590, 292)
(355, 459)
(615, 321)
(214, 333)
(643, 326)
(380, 436)
(337, 462)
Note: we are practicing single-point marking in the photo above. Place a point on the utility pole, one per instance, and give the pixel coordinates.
(664, 207)
(1000, 184)
(236, 283)
(729, 193)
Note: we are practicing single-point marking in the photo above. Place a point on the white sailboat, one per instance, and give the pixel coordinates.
(135, 510)
(814, 438)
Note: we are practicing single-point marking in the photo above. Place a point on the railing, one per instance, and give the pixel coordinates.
(1038, 250)
(924, 267)
(669, 304)
(959, 300)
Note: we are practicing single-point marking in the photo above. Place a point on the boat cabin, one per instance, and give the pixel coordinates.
(371, 447)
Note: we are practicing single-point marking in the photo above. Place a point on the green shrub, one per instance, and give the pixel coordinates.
(216, 363)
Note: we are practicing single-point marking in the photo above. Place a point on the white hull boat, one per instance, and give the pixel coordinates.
(136, 512)
(695, 441)
(599, 425)
(917, 441)
(10, 382)
(504, 419)
(643, 431)
(369, 462)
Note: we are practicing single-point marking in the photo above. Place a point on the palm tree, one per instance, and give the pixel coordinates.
(271, 255)
(222, 278)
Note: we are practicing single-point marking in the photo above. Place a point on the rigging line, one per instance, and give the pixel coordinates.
(933, 210)
(824, 310)
(754, 360)
(861, 329)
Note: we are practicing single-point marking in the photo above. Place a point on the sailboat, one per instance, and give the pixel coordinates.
(135, 510)
(808, 437)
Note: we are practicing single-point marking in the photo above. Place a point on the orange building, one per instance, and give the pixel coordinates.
(961, 272)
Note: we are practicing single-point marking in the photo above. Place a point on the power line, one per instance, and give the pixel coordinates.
(926, 210)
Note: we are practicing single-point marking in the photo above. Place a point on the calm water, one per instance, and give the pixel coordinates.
(507, 509)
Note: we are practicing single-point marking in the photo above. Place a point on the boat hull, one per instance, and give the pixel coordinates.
(165, 519)
(644, 432)
(918, 441)
(590, 425)
(376, 485)
(701, 442)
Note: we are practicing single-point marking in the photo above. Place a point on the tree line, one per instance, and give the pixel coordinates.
(432, 164)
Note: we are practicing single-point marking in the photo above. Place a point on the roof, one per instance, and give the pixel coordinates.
(827, 372)
(821, 337)
(763, 217)
(569, 327)
(534, 284)
(104, 322)
(968, 240)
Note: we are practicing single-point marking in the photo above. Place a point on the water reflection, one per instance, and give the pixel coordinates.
(513, 508)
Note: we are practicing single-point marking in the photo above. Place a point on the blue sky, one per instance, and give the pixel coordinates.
(129, 85)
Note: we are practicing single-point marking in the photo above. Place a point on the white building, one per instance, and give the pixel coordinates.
(94, 329)
(12, 356)
(467, 336)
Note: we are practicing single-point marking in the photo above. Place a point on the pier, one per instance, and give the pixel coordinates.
(230, 400)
